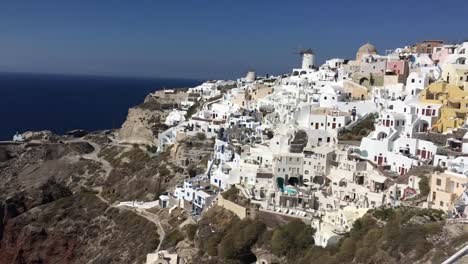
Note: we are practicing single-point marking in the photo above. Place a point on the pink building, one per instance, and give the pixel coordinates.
(440, 54)
(399, 67)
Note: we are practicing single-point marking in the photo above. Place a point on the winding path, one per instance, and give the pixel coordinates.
(155, 219)
(107, 167)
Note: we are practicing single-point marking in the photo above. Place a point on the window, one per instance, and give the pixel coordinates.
(413, 80)
(306, 172)
(441, 203)
(439, 182)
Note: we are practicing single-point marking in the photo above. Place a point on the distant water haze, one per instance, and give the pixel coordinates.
(30, 102)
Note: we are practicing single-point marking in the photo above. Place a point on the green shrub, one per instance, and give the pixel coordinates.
(201, 136)
(231, 194)
(239, 239)
(424, 186)
(191, 110)
(291, 238)
(173, 238)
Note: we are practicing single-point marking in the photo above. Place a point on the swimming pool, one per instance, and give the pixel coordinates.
(290, 190)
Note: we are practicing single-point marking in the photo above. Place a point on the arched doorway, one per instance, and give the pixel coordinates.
(364, 82)
(422, 126)
(381, 136)
(461, 60)
(318, 180)
(293, 181)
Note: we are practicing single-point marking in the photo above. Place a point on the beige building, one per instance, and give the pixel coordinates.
(446, 187)
(259, 91)
(355, 91)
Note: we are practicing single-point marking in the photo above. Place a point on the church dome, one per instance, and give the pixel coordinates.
(367, 48)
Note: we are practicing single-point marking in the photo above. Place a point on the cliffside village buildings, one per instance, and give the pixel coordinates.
(279, 139)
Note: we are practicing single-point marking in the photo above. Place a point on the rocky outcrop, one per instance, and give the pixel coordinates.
(39, 135)
(145, 121)
(140, 127)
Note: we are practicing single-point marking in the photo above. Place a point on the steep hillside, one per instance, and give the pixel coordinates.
(76, 229)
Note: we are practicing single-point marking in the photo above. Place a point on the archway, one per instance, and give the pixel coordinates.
(461, 60)
(422, 126)
(293, 181)
(364, 81)
(318, 180)
(381, 135)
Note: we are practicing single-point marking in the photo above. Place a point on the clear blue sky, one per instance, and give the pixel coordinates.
(209, 39)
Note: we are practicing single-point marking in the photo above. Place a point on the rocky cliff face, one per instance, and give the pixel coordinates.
(141, 127)
(145, 121)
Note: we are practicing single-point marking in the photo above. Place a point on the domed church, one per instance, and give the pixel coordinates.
(366, 49)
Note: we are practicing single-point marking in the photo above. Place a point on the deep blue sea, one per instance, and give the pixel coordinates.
(61, 103)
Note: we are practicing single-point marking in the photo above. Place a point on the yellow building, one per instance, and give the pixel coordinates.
(456, 74)
(454, 101)
(446, 188)
(355, 91)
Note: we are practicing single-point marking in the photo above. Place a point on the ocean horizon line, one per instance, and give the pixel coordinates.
(101, 76)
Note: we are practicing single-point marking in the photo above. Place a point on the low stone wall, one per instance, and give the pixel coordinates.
(238, 210)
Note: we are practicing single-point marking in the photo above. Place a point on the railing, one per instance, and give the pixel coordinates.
(462, 252)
